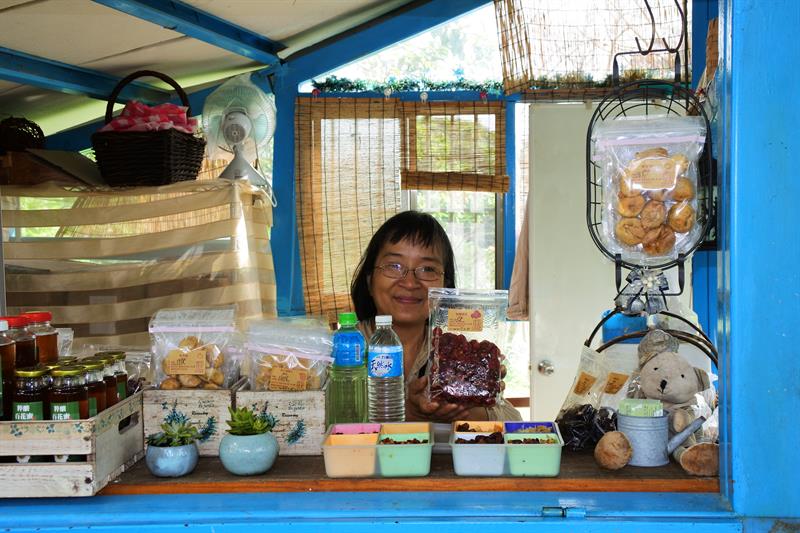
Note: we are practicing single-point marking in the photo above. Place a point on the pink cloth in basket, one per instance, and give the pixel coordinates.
(140, 117)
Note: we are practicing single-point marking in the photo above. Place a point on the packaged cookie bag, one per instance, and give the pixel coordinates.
(195, 348)
(288, 354)
(649, 173)
(464, 357)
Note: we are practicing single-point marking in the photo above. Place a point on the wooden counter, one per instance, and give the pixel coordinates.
(579, 473)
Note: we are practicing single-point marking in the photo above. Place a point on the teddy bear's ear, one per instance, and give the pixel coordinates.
(703, 381)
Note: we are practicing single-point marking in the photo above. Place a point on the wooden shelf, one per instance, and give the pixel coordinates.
(579, 473)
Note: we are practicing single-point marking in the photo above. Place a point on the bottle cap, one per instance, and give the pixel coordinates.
(347, 319)
(38, 316)
(15, 321)
(383, 320)
(3, 325)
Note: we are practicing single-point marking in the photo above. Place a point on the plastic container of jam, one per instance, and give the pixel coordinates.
(96, 386)
(31, 401)
(112, 392)
(69, 397)
(46, 335)
(120, 372)
(25, 342)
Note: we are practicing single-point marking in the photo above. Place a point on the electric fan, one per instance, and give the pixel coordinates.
(239, 121)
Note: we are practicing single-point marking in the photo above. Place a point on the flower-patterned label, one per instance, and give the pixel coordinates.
(465, 319)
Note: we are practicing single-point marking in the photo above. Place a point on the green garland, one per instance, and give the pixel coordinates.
(334, 84)
(574, 80)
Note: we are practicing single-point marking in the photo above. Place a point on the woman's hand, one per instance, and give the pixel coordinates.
(418, 407)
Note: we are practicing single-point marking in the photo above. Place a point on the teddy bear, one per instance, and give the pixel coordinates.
(668, 377)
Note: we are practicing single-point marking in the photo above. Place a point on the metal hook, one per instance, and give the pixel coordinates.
(683, 25)
(652, 31)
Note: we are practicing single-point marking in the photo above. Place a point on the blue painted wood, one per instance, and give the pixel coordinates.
(27, 69)
(376, 35)
(509, 243)
(470, 511)
(762, 280)
(283, 238)
(189, 20)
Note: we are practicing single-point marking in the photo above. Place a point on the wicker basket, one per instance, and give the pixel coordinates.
(147, 157)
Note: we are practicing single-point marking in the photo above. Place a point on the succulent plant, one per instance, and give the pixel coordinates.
(175, 433)
(245, 421)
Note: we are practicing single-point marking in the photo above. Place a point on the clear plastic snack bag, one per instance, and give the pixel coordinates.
(464, 358)
(194, 348)
(288, 354)
(650, 178)
(580, 413)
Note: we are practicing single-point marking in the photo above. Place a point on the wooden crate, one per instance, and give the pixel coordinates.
(200, 406)
(109, 450)
(300, 414)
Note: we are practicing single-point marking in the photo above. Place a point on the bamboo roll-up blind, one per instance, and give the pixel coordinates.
(104, 261)
(557, 45)
(348, 184)
(454, 146)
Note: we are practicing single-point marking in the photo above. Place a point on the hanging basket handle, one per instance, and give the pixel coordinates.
(112, 99)
(698, 342)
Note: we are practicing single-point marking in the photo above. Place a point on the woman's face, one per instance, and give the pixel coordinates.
(405, 299)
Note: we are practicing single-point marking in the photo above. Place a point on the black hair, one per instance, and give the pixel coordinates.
(419, 228)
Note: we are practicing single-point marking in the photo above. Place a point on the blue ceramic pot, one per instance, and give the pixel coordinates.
(247, 455)
(171, 461)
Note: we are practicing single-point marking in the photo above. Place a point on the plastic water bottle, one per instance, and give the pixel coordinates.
(387, 402)
(346, 400)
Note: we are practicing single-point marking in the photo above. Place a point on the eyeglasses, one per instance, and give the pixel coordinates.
(398, 271)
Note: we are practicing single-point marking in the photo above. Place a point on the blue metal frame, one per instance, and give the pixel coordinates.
(189, 20)
(26, 69)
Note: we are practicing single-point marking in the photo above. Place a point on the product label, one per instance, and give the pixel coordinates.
(180, 362)
(652, 174)
(28, 411)
(385, 361)
(92, 407)
(65, 411)
(615, 382)
(584, 383)
(348, 353)
(122, 390)
(465, 319)
(282, 378)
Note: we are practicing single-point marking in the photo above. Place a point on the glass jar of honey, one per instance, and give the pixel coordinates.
(31, 400)
(69, 397)
(112, 393)
(7, 364)
(96, 385)
(46, 335)
(120, 372)
(25, 342)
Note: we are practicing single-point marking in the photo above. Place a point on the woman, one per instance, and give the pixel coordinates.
(409, 254)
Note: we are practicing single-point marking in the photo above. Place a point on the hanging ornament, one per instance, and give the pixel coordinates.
(387, 92)
(484, 95)
(315, 92)
(423, 96)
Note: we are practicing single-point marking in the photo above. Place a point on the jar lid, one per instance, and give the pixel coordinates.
(50, 366)
(105, 359)
(93, 364)
(30, 372)
(67, 360)
(15, 321)
(68, 370)
(3, 325)
(110, 353)
(38, 316)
